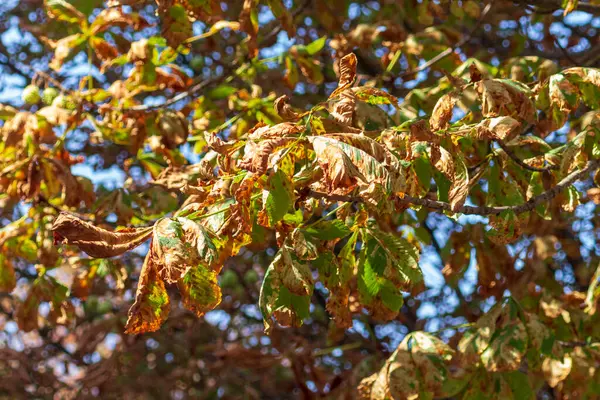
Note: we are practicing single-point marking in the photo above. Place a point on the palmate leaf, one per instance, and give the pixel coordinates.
(183, 252)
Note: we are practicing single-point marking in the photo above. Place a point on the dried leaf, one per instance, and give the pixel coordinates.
(256, 156)
(180, 244)
(556, 371)
(347, 74)
(284, 110)
(176, 27)
(504, 97)
(249, 23)
(94, 241)
(63, 50)
(152, 305)
(442, 112)
(500, 128)
(342, 110)
(499, 339)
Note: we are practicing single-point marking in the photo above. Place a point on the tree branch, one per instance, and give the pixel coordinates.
(187, 93)
(480, 210)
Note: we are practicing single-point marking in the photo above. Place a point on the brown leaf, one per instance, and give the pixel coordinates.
(343, 110)
(420, 132)
(256, 156)
(104, 50)
(152, 305)
(116, 16)
(500, 128)
(556, 371)
(175, 81)
(347, 74)
(248, 25)
(63, 48)
(475, 73)
(13, 129)
(442, 112)
(173, 127)
(7, 275)
(285, 129)
(594, 195)
(140, 51)
(179, 244)
(176, 27)
(55, 115)
(94, 241)
(284, 110)
(500, 98)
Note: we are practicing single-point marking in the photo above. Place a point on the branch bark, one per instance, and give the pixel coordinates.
(480, 210)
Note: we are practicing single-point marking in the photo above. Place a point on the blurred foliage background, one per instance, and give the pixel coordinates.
(100, 98)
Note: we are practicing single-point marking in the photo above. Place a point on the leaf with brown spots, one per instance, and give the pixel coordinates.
(152, 304)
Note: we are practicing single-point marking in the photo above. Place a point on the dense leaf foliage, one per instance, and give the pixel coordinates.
(376, 200)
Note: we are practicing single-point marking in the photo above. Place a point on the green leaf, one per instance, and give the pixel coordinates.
(423, 170)
(278, 200)
(403, 268)
(329, 230)
(199, 290)
(519, 384)
(276, 300)
(152, 305)
(221, 92)
(64, 11)
(316, 46)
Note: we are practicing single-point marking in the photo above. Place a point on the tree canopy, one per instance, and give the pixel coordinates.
(275, 199)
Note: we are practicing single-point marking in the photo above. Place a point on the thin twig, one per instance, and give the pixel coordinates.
(566, 53)
(520, 162)
(279, 27)
(180, 96)
(481, 210)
